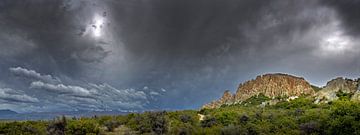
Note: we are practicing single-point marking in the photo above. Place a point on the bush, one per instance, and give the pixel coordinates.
(204, 111)
(182, 129)
(23, 128)
(226, 118)
(301, 102)
(234, 130)
(343, 96)
(208, 122)
(111, 125)
(185, 118)
(139, 123)
(244, 119)
(82, 127)
(158, 122)
(57, 127)
(344, 117)
(311, 127)
(256, 100)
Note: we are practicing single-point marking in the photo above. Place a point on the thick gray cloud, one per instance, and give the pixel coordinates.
(124, 54)
(61, 88)
(348, 11)
(83, 96)
(33, 75)
(10, 95)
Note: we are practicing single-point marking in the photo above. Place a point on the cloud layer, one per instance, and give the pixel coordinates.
(33, 75)
(10, 95)
(94, 54)
(88, 96)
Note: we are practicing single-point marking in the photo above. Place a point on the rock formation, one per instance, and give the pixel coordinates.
(328, 93)
(226, 99)
(274, 85)
(271, 85)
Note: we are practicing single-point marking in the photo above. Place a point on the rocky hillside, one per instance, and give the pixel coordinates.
(226, 99)
(270, 85)
(336, 86)
(273, 85)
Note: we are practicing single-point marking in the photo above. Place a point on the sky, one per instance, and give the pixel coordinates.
(103, 55)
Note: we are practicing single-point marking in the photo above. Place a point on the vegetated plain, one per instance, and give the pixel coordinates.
(298, 116)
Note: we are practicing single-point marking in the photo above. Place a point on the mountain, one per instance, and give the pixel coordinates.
(7, 112)
(287, 87)
(338, 86)
(270, 85)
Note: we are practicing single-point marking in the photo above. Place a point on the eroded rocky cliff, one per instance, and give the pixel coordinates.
(329, 92)
(274, 85)
(270, 85)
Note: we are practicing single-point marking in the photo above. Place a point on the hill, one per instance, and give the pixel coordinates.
(270, 85)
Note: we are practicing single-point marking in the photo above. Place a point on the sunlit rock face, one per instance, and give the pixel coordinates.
(271, 85)
(328, 93)
(274, 85)
(227, 98)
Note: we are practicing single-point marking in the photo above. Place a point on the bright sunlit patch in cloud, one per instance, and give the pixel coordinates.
(97, 26)
(336, 42)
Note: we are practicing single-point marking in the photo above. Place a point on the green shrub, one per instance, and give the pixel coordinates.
(208, 122)
(57, 127)
(344, 117)
(82, 127)
(311, 127)
(158, 122)
(111, 125)
(256, 100)
(315, 88)
(343, 96)
(234, 130)
(23, 128)
(226, 118)
(301, 102)
(244, 119)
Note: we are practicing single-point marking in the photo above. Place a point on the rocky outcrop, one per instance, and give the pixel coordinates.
(270, 85)
(274, 85)
(226, 99)
(328, 93)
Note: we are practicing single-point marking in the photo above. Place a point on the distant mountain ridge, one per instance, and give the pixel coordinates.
(7, 112)
(284, 85)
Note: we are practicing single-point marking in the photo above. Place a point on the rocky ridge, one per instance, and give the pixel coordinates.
(291, 87)
(271, 85)
(339, 84)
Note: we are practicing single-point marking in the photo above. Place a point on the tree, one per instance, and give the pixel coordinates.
(158, 122)
(57, 127)
(208, 122)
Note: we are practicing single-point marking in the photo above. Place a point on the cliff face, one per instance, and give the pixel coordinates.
(328, 93)
(226, 99)
(271, 85)
(274, 85)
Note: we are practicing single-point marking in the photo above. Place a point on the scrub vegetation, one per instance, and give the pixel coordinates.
(298, 116)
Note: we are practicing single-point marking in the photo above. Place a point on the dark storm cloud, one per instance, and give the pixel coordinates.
(52, 27)
(194, 49)
(200, 46)
(349, 12)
